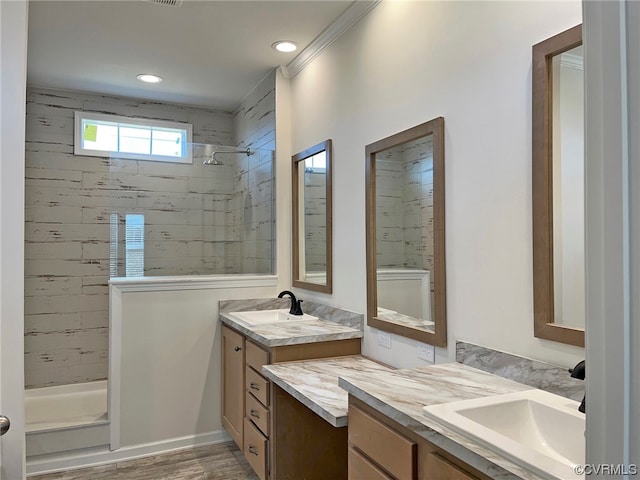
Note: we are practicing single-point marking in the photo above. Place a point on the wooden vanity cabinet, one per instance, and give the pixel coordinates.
(381, 449)
(248, 411)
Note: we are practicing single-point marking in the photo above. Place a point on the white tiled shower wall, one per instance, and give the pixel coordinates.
(253, 199)
(68, 207)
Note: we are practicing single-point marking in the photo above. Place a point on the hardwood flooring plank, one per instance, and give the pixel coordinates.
(222, 461)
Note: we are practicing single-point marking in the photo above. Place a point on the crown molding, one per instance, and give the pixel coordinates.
(344, 22)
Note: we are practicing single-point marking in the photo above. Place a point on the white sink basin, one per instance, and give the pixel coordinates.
(538, 430)
(262, 317)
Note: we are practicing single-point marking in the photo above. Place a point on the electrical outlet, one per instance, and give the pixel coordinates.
(426, 352)
(384, 339)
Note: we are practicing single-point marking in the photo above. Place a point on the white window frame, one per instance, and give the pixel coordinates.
(79, 150)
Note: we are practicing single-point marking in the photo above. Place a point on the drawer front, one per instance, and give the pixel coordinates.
(258, 414)
(360, 468)
(441, 468)
(256, 357)
(392, 451)
(257, 385)
(255, 449)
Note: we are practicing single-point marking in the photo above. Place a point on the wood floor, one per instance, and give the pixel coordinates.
(214, 462)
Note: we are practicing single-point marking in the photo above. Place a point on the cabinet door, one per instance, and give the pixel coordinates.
(233, 384)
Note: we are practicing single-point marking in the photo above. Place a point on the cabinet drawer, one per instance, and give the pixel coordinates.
(440, 468)
(393, 452)
(255, 449)
(256, 357)
(258, 414)
(257, 385)
(360, 468)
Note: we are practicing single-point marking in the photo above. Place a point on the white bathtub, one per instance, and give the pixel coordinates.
(66, 417)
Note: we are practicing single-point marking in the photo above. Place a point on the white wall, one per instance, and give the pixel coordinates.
(166, 365)
(406, 63)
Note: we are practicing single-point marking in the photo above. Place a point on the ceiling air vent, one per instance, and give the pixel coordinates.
(166, 3)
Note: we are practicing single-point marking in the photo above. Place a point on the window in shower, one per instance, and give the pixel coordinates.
(132, 138)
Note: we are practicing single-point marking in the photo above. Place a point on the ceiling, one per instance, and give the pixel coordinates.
(210, 53)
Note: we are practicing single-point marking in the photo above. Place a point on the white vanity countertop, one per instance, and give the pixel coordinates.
(294, 332)
(401, 395)
(314, 383)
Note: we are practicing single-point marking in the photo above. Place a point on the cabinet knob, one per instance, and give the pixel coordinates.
(255, 413)
(252, 449)
(254, 386)
(237, 349)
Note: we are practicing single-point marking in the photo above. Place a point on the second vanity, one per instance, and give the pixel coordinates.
(389, 436)
(289, 396)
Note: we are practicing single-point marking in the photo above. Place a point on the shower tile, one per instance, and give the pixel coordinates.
(66, 267)
(43, 177)
(48, 321)
(44, 250)
(66, 303)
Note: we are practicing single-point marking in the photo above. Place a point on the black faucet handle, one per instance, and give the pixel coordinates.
(579, 371)
(297, 308)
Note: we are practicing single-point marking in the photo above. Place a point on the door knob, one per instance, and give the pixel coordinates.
(4, 424)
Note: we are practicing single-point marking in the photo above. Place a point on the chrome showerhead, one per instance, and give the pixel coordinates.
(225, 149)
(212, 160)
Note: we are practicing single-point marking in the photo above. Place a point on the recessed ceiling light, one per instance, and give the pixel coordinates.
(148, 78)
(285, 46)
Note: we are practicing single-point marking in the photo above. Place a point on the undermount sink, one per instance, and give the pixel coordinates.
(262, 317)
(535, 429)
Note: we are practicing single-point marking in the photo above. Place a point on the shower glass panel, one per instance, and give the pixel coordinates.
(213, 216)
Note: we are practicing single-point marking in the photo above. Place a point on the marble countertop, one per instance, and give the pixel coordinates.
(314, 383)
(401, 394)
(294, 332)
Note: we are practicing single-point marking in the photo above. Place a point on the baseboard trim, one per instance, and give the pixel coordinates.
(93, 457)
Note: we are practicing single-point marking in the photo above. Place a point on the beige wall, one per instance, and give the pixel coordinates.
(470, 62)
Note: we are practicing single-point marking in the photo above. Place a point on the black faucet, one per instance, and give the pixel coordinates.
(295, 309)
(579, 372)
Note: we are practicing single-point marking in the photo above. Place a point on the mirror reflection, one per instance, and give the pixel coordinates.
(405, 233)
(568, 188)
(558, 188)
(312, 218)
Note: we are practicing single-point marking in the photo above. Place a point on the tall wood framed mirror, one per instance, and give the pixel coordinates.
(558, 188)
(312, 218)
(406, 234)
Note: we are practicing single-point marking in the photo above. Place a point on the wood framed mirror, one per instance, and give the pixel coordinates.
(558, 188)
(312, 218)
(405, 231)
